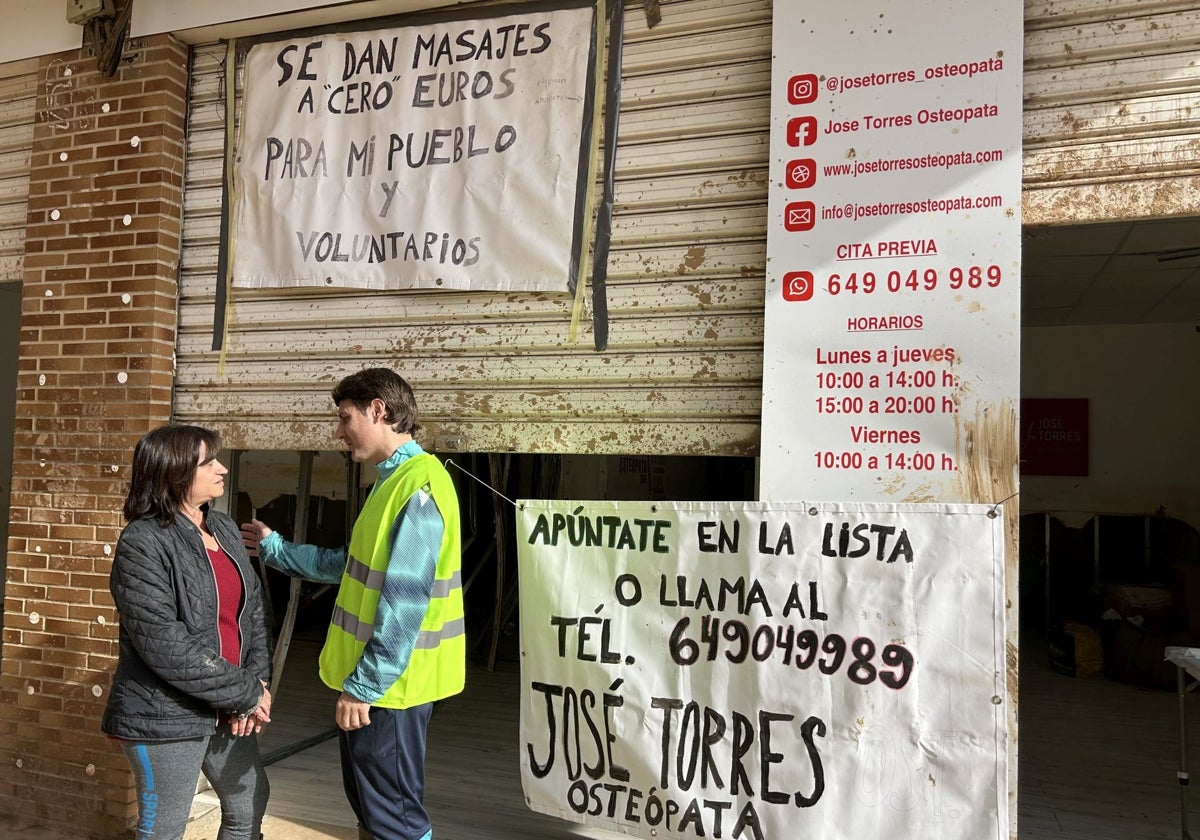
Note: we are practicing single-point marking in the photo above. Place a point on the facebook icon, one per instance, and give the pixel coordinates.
(802, 131)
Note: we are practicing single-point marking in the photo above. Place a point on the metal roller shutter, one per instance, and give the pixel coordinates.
(1109, 133)
(18, 94)
(496, 371)
(1111, 124)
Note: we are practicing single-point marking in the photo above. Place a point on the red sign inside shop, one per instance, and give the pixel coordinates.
(1054, 436)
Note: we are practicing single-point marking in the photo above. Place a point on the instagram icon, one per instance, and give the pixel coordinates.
(802, 89)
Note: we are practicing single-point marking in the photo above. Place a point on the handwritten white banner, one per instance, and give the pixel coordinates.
(767, 671)
(445, 155)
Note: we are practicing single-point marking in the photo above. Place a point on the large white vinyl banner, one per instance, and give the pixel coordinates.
(892, 321)
(766, 671)
(445, 155)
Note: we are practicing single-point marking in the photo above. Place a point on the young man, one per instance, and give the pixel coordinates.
(395, 642)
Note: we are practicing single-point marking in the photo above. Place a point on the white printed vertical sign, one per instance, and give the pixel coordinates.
(893, 250)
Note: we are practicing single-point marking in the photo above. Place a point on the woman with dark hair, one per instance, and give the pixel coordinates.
(190, 688)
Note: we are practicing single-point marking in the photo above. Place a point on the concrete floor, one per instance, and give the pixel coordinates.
(203, 827)
(274, 828)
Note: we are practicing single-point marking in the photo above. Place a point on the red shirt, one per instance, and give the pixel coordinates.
(229, 602)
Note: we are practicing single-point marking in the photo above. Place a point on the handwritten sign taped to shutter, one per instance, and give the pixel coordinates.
(445, 155)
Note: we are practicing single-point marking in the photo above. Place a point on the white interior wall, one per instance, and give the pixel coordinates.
(1141, 383)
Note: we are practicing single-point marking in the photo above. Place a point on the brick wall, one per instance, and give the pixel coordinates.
(98, 326)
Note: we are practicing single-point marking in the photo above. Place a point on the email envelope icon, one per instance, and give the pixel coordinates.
(799, 215)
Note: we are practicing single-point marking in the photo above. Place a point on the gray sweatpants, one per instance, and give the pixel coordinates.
(166, 772)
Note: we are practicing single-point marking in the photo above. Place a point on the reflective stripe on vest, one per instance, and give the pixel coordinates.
(426, 639)
(359, 571)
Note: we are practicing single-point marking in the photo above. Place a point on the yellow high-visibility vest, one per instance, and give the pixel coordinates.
(437, 668)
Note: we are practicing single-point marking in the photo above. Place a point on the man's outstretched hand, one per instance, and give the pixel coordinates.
(254, 532)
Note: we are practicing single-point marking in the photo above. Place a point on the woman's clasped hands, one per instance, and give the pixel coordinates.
(252, 723)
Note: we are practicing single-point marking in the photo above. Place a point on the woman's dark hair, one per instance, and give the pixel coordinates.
(164, 466)
(381, 384)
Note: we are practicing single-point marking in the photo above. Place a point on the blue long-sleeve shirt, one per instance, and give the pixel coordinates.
(413, 545)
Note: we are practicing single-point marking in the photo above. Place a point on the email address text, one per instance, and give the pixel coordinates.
(855, 211)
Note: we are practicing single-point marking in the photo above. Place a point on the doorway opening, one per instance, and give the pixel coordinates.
(10, 334)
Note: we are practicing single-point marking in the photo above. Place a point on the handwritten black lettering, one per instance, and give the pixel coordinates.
(284, 60)
(468, 45)
(602, 532)
(394, 246)
(688, 743)
(576, 707)
(866, 536)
